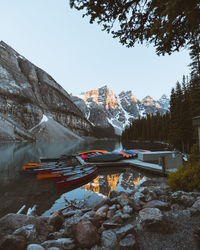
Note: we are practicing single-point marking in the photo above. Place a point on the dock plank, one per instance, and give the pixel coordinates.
(153, 168)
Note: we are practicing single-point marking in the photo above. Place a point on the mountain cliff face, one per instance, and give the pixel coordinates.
(103, 108)
(27, 93)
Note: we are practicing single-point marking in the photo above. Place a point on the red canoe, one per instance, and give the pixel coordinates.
(65, 175)
(77, 178)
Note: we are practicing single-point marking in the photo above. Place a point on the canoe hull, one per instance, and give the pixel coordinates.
(76, 179)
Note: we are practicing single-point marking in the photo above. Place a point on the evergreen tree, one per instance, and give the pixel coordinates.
(169, 25)
(195, 57)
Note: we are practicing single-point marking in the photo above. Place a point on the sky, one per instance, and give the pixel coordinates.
(81, 57)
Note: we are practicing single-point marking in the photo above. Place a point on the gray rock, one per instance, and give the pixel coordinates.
(114, 194)
(114, 200)
(68, 214)
(64, 243)
(63, 233)
(110, 214)
(10, 222)
(110, 225)
(139, 196)
(113, 207)
(35, 247)
(12, 242)
(29, 232)
(88, 215)
(56, 220)
(118, 206)
(128, 243)
(129, 228)
(151, 219)
(143, 190)
(96, 247)
(127, 209)
(102, 211)
(53, 248)
(123, 199)
(109, 239)
(85, 233)
(187, 200)
(196, 207)
(73, 219)
(157, 204)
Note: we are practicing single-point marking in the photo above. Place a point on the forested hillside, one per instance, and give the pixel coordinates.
(174, 127)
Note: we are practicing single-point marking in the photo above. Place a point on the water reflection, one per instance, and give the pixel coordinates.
(18, 190)
(105, 183)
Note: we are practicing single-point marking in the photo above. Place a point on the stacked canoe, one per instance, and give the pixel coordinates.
(105, 156)
(62, 173)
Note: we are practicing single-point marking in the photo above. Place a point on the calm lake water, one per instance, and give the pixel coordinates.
(17, 190)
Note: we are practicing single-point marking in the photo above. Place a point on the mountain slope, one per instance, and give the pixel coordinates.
(103, 108)
(27, 92)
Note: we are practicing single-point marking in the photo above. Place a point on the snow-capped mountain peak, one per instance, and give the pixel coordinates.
(104, 108)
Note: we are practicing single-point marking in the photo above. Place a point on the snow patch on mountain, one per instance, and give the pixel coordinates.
(103, 106)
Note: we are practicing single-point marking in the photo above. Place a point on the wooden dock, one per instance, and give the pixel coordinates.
(150, 167)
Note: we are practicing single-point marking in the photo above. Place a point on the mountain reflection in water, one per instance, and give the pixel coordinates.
(107, 183)
(17, 190)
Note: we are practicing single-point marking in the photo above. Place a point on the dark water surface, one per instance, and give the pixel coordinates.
(17, 190)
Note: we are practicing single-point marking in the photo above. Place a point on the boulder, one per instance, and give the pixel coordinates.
(139, 196)
(13, 242)
(157, 204)
(109, 239)
(11, 222)
(196, 207)
(123, 231)
(114, 194)
(151, 219)
(85, 233)
(127, 209)
(103, 202)
(62, 244)
(123, 199)
(101, 213)
(56, 220)
(110, 214)
(35, 247)
(29, 232)
(62, 233)
(73, 219)
(119, 217)
(110, 225)
(68, 214)
(128, 243)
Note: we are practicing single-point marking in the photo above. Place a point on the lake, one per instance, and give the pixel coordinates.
(17, 190)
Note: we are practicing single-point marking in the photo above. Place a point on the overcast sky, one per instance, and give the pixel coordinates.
(81, 57)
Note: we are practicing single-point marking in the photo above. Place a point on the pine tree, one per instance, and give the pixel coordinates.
(195, 58)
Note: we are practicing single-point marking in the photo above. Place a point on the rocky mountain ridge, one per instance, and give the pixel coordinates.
(102, 107)
(27, 93)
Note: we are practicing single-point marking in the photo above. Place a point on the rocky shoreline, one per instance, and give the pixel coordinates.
(149, 217)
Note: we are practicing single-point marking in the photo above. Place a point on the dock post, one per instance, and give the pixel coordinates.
(162, 163)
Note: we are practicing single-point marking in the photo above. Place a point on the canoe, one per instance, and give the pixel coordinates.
(92, 151)
(63, 172)
(73, 180)
(57, 159)
(122, 153)
(45, 166)
(76, 172)
(106, 157)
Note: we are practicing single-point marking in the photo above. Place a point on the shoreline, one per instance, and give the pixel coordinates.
(149, 217)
